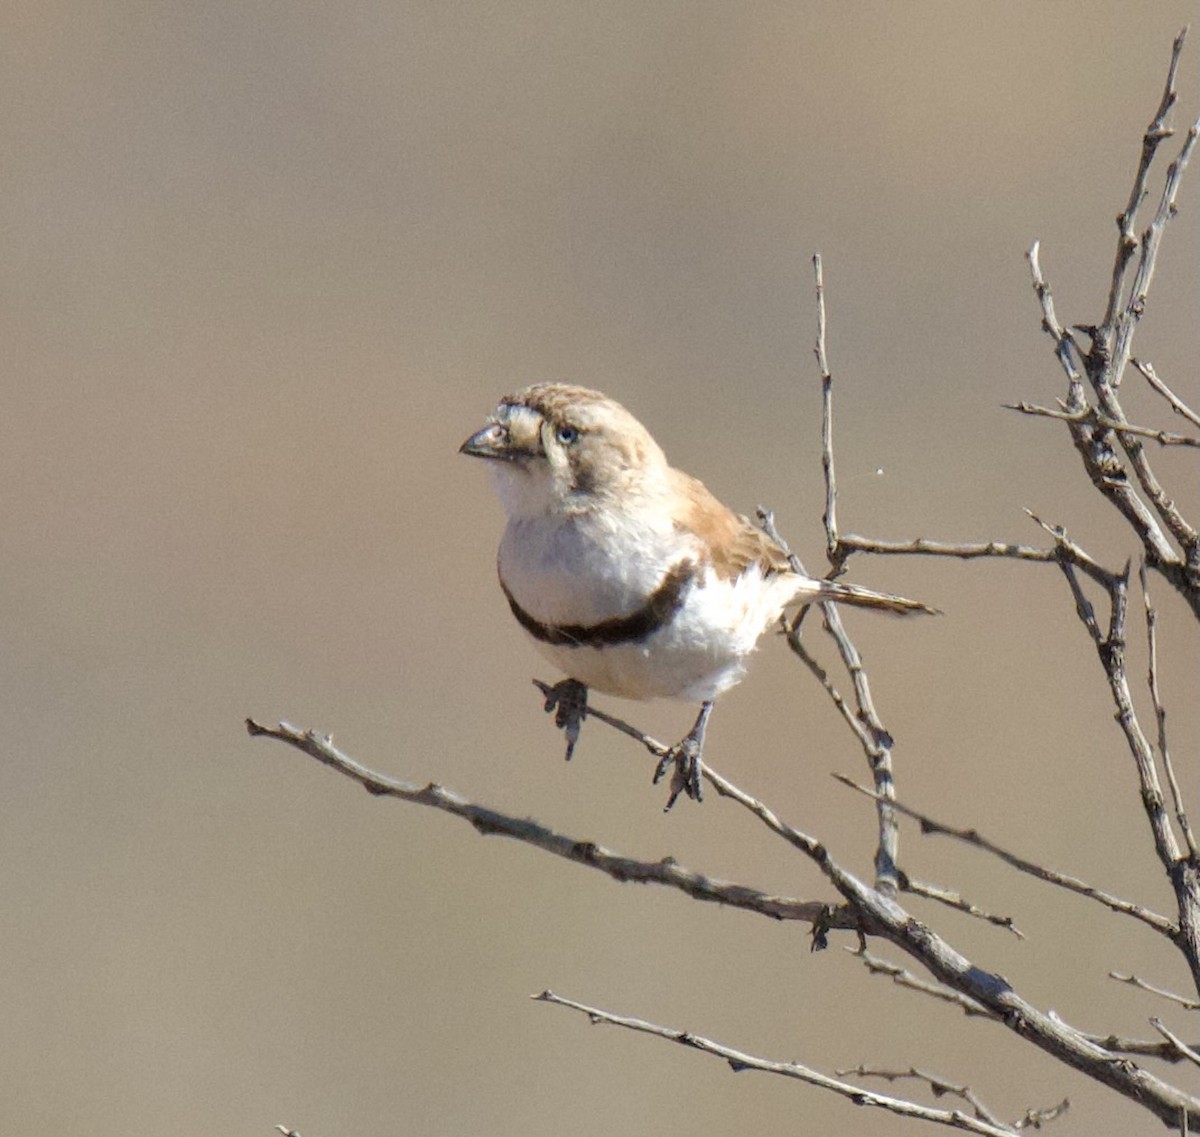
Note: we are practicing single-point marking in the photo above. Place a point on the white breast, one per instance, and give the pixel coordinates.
(586, 568)
(595, 569)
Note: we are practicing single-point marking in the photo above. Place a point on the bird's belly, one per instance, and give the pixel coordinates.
(699, 653)
(647, 671)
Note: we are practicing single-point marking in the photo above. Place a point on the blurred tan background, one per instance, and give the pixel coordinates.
(265, 266)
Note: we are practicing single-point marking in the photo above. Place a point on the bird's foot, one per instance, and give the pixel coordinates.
(685, 757)
(568, 700)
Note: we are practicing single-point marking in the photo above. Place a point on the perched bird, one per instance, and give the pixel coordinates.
(627, 573)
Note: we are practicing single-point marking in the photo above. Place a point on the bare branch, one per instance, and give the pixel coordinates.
(1135, 304)
(1156, 133)
(1142, 985)
(844, 708)
(938, 1086)
(930, 826)
(876, 741)
(879, 755)
(739, 1061)
(1095, 448)
(942, 1087)
(1111, 651)
(863, 720)
(489, 821)
(1177, 404)
(1160, 716)
(1065, 346)
(902, 977)
(1097, 432)
(956, 901)
(830, 516)
(1036, 1118)
(1091, 415)
(1083, 606)
(1141, 1047)
(924, 547)
(1184, 1050)
(871, 911)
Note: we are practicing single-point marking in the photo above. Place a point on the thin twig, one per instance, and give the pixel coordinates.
(1177, 1042)
(740, 1061)
(961, 550)
(1036, 1118)
(1067, 550)
(490, 821)
(830, 516)
(1142, 1048)
(879, 755)
(869, 911)
(1160, 716)
(1156, 133)
(973, 550)
(1184, 874)
(1177, 404)
(1097, 432)
(938, 1086)
(876, 741)
(1112, 657)
(931, 827)
(1162, 992)
(838, 699)
(843, 917)
(1091, 415)
(956, 901)
(902, 977)
(1151, 242)
(1065, 346)
(1083, 606)
(863, 719)
(1095, 449)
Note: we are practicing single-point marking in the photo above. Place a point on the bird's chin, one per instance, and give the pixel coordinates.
(520, 490)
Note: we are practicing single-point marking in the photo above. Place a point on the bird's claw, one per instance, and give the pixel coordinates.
(568, 700)
(684, 759)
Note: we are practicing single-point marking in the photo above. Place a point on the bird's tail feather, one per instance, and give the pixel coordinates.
(862, 598)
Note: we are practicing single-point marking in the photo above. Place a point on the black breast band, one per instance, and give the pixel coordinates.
(639, 625)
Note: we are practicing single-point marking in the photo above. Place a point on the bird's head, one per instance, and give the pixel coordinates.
(555, 448)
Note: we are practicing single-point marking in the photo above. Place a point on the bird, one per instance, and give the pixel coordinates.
(628, 574)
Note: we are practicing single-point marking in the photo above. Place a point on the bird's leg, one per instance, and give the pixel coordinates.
(685, 756)
(568, 699)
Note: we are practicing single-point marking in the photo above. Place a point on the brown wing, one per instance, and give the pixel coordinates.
(733, 543)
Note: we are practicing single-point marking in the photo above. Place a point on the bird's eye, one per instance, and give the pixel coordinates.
(567, 434)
